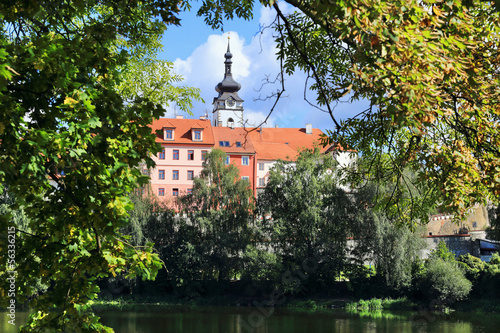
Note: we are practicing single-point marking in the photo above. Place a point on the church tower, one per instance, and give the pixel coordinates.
(228, 106)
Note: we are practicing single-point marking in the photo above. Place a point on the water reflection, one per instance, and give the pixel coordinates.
(153, 319)
(236, 320)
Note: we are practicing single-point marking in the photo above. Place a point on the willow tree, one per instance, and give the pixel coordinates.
(429, 70)
(72, 132)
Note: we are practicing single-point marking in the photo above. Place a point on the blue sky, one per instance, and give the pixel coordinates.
(198, 55)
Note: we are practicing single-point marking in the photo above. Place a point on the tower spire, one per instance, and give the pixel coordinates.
(228, 84)
(228, 106)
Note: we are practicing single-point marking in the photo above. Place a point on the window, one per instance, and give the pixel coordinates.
(261, 166)
(175, 192)
(238, 144)
(145, 172)
(245, 160)
(161, 155)
(169, 134)
(161, 192)
(228, 160)
(203, 154)
(175, 154)
(197, 135)
(474, 224)
(224, 144)
(190, 174)
(161, 174)
(262, 182)
(190, 155)
(245, 178)
(189, 191)
(175, 174)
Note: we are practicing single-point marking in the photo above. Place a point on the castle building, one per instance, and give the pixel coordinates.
(253, 150)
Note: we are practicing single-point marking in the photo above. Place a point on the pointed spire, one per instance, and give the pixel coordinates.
(228, 84)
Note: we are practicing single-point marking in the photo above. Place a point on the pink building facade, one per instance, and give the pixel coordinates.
(184, 144)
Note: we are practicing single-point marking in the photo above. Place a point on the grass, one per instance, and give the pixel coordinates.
(377, 304)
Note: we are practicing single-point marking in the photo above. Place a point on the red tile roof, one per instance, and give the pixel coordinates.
(182, 132)
(283, 143)
(275, 151)
(232, 136)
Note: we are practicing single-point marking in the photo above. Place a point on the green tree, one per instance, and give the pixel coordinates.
(72, 134)
(12, 211)
(221, 209)
(392, 246)
(429, 70)
(444, 282)
(442, 251)
(309, 220)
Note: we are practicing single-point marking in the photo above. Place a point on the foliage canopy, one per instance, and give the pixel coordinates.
(73, 131)
(429, 70)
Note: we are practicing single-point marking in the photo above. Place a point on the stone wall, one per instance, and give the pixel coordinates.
(458, 244)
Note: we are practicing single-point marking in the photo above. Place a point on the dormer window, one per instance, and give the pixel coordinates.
(197, 133)
(168, 134)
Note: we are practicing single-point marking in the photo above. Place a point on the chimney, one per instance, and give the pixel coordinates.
(309, 129)
(276, 126)
(202, 117)
(179, 117)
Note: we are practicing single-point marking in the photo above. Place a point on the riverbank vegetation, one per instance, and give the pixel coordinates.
(304, 241)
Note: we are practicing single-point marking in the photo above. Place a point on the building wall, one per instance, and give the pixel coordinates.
(182, 165)
(458, 244)
(344, 158)
(245, 170)
(223, 115)
(263, 174)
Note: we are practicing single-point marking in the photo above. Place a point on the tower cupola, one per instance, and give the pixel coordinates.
(228, 85)
(228, 106)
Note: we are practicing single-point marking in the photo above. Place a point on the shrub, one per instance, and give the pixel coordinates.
(495, 259)
(442, 252)
(473, 267)
(489, 285)
(260, 264)
(362, 281)
(445, 282)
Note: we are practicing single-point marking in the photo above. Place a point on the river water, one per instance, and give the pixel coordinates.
(154, 319)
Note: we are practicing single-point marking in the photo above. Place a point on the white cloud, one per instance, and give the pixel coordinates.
(254, 62)
(257, 118)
